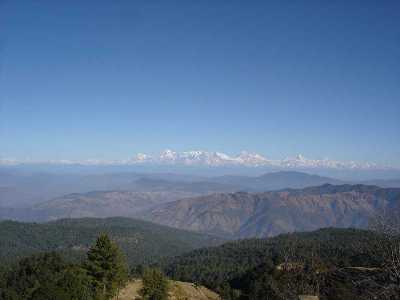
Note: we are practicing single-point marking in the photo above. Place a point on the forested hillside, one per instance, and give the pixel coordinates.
(213, 266)
(47, 276)
(143, 242)
(332, 263)
(344, 264)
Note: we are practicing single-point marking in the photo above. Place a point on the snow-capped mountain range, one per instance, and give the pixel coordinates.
(246, 159)
(215, 159)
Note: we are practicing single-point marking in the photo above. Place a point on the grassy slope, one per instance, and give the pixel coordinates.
(178, 291)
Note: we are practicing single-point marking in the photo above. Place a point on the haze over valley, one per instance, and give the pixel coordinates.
(230, 206)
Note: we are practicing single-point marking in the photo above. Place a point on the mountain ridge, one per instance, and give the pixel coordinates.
(214, 159)
(245, 158)
(243, 214)
(135, 193)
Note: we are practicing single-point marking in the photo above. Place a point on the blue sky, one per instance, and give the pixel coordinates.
(107, 79)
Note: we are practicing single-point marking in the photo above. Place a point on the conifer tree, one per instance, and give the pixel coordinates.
(155, 285)
(107, 266)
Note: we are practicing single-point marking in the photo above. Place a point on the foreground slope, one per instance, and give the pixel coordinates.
(241, 214)
(178, 290)
(141, 241)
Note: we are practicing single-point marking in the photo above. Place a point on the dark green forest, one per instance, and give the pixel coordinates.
(47, 276)
(143, 242)
(215, 265)
(331, 263)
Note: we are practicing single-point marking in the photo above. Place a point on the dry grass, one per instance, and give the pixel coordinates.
(178, 291)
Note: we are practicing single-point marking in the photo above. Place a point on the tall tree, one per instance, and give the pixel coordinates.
(155, 285)
(107, 266)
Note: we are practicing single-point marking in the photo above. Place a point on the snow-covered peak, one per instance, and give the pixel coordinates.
(214, 159)
(168, 155)
(248, 158)
(142, 157)
(244, 158)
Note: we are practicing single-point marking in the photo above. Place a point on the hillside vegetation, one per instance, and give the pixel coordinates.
(333, 263)
(143, 242)
(344, 264)
(215, 265)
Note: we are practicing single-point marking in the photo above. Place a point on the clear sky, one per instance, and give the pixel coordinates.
(108, 79)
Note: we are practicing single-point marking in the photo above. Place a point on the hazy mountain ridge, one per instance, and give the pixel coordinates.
(143, 194)
(277, 180)
(104, 204)
(18, 189)
(195, 187)
(146, 191)
(160, 188)
(241, 215)
(385, 183)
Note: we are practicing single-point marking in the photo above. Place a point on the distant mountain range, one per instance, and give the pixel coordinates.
(276, 181)
(245, 158)
(242, 214)
(383, 183)
(134, 194)
(23, 188)
(103, 204)
(226, 206)
(28, 188)
(214, 159)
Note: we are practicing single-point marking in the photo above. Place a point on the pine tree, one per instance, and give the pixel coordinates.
(107, 266)
(155, 285)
